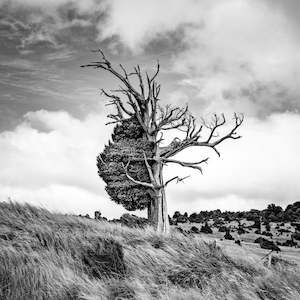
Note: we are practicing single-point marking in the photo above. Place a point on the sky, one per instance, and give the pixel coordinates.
(217, 56)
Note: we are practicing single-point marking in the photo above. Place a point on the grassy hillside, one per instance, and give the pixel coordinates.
(53, 256)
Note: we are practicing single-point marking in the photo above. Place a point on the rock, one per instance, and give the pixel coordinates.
(228, 236)
(289, 243)
(194, 229)
(266, 244)
(296, 236)
(241, 231)
(238, 242)
(257, 241)
(222, 229)
(265, 233)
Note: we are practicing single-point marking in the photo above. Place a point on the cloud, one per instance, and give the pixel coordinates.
(251, 66)
(234, 54)
(37, 26)
(49, 160)
(260, 168)
(219, 56)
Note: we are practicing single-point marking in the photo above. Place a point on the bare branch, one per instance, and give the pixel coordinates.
(149, 170)
(145, 184)
(193, 165)
(193, 135)
(179, 179)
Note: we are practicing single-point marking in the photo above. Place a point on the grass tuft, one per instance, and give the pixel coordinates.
(54, 256)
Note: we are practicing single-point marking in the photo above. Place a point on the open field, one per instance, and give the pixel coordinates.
(54, 256)
(252, 249)
(247, 239)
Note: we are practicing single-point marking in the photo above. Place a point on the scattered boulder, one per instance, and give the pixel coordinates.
(289, 243)
(194, 229)
(283, 230)
(265, 233)
(257, 241)
(256, 224)
(228, 236)
(266, 244)
(222, 229)
(87, 216)
(238, 242)
(296, 225)
(241, 230)
(296, 236)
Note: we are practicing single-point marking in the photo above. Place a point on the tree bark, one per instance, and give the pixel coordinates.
(159, 212)
(150, 210)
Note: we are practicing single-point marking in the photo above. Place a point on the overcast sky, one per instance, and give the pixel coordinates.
(215, 55)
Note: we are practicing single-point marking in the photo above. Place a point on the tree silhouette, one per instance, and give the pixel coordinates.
(132, 164)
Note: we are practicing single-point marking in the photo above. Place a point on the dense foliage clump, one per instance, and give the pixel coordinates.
(128, 145)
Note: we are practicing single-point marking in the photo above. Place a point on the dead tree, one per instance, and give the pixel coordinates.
(141, 101)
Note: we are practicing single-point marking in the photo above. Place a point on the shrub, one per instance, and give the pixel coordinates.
(206, 229)
(105, 259)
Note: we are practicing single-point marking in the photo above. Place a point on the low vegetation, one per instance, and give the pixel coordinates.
(54, 256)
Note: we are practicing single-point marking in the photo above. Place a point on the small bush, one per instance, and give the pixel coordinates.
(106, 259)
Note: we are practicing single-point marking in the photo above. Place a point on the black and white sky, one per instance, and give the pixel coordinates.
(215, 55)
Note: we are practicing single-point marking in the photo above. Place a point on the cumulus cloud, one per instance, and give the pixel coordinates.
(227, 55)
(260, 168)
(37, 26)
(49, 160)
(241, 55)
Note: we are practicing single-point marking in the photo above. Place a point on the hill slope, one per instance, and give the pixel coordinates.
(53, 256)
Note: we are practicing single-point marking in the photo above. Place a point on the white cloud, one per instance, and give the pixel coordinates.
(142, 21)
(239, 54)
(246, 56)
(49, 160)
(259, 168)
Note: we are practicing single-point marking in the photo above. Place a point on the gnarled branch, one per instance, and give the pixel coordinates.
(193, 135)
(143, 183)
(179, 179)
(193, 165)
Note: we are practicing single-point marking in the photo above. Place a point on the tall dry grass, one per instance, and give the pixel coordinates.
(53, 256)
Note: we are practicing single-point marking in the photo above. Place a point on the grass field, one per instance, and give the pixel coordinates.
(54, 256)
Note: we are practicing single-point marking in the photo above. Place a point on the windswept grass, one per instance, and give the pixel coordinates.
(53, 256)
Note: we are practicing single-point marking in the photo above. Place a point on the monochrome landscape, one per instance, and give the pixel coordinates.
(149, 149)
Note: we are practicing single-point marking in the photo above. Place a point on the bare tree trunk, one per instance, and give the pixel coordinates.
(150, 210)
(160, 218)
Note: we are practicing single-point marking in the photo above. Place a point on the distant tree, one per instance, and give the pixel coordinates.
(206, 228)
(137, 155)
(268, 227)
